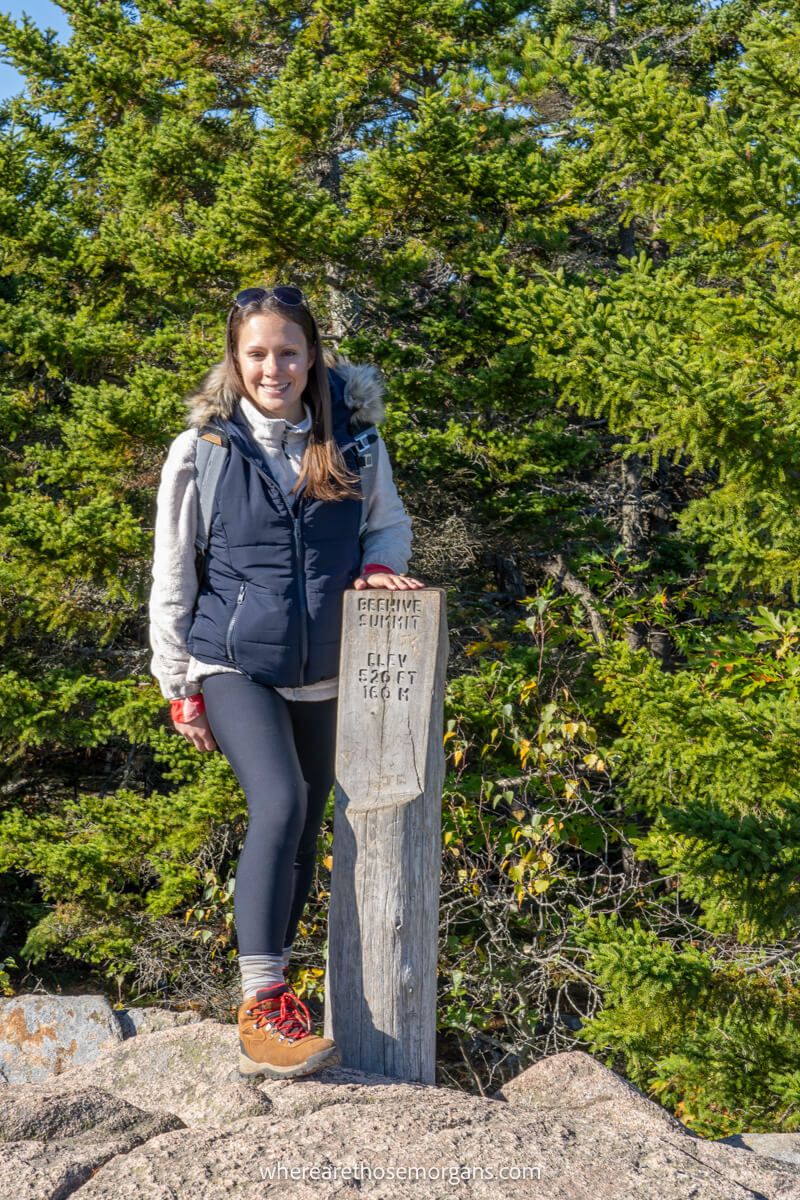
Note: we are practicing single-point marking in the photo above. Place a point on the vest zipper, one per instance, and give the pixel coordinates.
(298, 542)
(232, 622)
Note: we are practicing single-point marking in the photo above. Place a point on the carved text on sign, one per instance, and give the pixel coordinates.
(388, 612)
(386, 675)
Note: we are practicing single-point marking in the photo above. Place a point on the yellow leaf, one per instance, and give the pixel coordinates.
(457, 757)
(328, 862)
(476, 647)
(450, 734)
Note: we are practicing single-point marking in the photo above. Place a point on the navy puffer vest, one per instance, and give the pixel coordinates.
(270, 602)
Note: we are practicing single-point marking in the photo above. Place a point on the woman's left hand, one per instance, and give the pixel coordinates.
(382, 579)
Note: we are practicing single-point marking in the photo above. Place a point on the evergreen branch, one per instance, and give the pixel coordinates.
(558, 570)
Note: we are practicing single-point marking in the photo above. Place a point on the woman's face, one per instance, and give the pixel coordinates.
(274, 360)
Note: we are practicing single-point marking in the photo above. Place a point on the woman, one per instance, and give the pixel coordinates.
(248, 656)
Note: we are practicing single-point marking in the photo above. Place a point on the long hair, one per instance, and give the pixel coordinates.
(323, 469)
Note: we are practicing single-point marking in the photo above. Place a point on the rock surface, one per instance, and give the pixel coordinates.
(164, 1115)
(133, 1021)
(782, 1146)
(51, 1143)
(42, 1035)
(187, 1070)
(576, 1083)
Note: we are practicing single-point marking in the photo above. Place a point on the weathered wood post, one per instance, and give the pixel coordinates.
(380, 1003)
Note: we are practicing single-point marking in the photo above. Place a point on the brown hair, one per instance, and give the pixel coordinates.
(323, 468)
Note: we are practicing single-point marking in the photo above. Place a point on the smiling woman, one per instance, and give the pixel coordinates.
(261, 632)
(274, 361)
(264, 326)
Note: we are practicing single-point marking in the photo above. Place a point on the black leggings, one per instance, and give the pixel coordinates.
(283, 754)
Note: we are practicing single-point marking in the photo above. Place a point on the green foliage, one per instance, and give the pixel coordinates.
(716, 1042)
(526, 824)
(568, 234)
(711, 755)
(5, 980)
(105, 860)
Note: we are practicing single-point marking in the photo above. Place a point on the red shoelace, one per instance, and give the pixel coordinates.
(293, 1020)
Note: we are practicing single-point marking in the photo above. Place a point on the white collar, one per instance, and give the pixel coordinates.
(274, 429)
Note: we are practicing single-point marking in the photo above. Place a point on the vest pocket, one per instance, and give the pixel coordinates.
(232, 623)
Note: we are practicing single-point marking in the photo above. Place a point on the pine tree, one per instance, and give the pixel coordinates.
(566, 233)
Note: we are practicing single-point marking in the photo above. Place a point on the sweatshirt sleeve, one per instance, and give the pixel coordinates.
(387, 538)
(174, 587)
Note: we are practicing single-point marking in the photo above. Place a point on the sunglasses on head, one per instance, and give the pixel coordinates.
(286, 295)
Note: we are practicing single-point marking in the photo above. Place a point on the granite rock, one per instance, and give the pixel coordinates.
(51, 1143)
(134, 1021)
(784, 1147)
(165, 1115)
(42, 1035)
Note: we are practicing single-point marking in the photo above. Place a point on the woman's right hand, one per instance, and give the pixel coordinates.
(198, 732)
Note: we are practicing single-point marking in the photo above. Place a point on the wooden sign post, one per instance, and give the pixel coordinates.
(380, 1004)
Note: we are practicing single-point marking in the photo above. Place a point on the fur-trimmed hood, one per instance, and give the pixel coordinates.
(363, 393)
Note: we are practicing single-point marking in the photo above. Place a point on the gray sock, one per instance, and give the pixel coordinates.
(259, 971)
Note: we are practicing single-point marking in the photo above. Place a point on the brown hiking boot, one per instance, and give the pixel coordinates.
(275, 1037)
